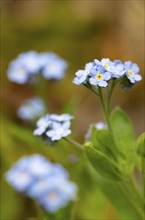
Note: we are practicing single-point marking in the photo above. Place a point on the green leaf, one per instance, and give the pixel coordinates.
(103, 165)
(103, 141)
(123, 134)
(140, 145)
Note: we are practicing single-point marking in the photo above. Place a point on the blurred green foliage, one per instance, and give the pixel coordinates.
(78, 31)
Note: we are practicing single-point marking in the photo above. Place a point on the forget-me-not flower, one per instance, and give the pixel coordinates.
(19, 176)
(55, 68)
(53, 127)
(131, 70)
(117, 70)
(23, 67)
(99, 77)
(59, 193)
(42, 124)
(59, 130)
(83, 75)
(42, 180)
(31, 109)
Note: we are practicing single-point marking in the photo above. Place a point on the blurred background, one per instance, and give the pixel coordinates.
(78, 31)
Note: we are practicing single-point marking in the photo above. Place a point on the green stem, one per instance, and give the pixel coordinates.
(104, 107)
(75, 143)
(109, 96)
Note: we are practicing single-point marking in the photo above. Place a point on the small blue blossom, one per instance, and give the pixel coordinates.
(31, 109)
(38, 178)
(42, 124)
(23, 67)
(19, 177)
(99, 77)
(53, 127)
(105, 62)
(59, 193)
(59, 130)
(83, 75)
(55, 68)
(61, 118)
(118, 69)
(44, 59)
(131, 70)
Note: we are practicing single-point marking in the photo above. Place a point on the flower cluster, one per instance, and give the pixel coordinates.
(31, 109)
(98, 73)
(27, 65)
(53, 126)
(42, 180)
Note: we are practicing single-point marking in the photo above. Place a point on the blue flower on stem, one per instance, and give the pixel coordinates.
(99, 77)
(83, 75)
(61, 118)
(131, 70)
(42, 124)
(105, 62)
(59, 130)
(118, 69)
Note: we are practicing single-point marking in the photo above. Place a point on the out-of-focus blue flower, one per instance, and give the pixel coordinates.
(56, 172)
(131, 70)
(83, 75)
(42, 125)
(61, 118)
(38, 178)
(44, 58)
(28, 64)
(59, 130)
(19, 176)
(25, 65)
(31, 109)
(101, 125)
(55, 68)
(99, 77)
(59, 193)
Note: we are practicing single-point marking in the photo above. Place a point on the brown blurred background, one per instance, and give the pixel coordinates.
(78, 31)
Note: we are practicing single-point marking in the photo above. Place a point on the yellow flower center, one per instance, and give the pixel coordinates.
(99, 76)
(106, 66)
(86, 72)
(130, 72)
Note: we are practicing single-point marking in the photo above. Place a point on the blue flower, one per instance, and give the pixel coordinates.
(38, 178)
(31, 109)
(83, 75)
(55, 68)
(19, 176)
(42, 124)
(105, 62)
(55, 172)
(61, 118)
(117, 69)
(131, 70)
(59, 192)
(59, 130)
(25, 65)
(99, 77)
(44, 59)
(17, 73)
(53, 127)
